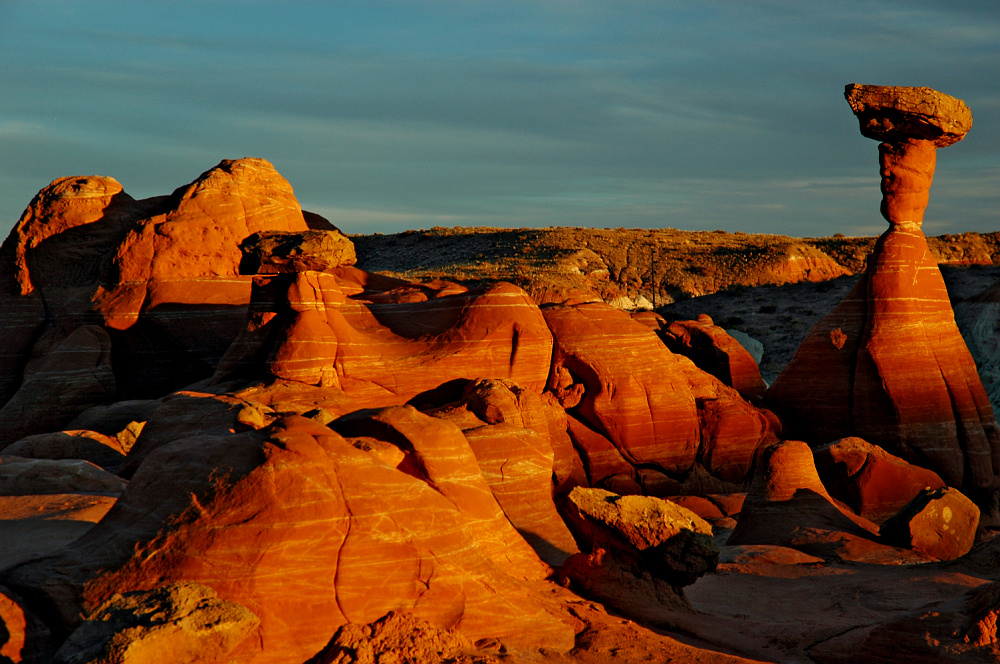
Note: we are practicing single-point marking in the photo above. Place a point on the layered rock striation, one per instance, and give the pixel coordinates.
(889, 364)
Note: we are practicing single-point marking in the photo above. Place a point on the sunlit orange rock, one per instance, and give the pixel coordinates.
(306, 529)
(657, 408)
(161, 275)
(713, 350)
(787, 505)
(888, 364)
(437, 450)
(940, 522)
(601, 459)
(182, 622)
(872, 482)
(514, 434)
(340, 329)
(639, 550)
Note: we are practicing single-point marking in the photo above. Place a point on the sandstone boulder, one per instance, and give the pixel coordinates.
(939, 522)
(894, 113)
(277, 252)
(639, 551)
(184, 623)
(872, 482)
(649, 533)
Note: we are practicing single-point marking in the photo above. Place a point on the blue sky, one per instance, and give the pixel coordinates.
(384, 116)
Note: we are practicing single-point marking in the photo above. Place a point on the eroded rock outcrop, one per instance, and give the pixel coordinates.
(639, 550)
(787, 505)
(382, 342)
(872, 482)
(526, 456)
(184, 623)
(660, 411)
(160, 276)
(888, 364)
(295, 522)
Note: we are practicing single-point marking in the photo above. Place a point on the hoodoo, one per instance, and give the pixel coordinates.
(888, 364)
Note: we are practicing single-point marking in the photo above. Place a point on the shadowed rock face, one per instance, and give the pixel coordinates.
(888, 364)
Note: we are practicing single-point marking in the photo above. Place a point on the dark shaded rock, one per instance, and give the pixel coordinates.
(278, 252)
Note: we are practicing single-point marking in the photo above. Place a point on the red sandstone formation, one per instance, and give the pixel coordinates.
(672, 542)
(277, 252)
(641, 550)
(513, 435)
(295, 523)
(382, 341)
(872, 482)
(438, 451)
(160, 276)
(713, 350)
(660, 411)
(894, 368)
(372, 470)
(787, 505)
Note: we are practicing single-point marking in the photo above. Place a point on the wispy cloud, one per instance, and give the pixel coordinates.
(716, 114)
